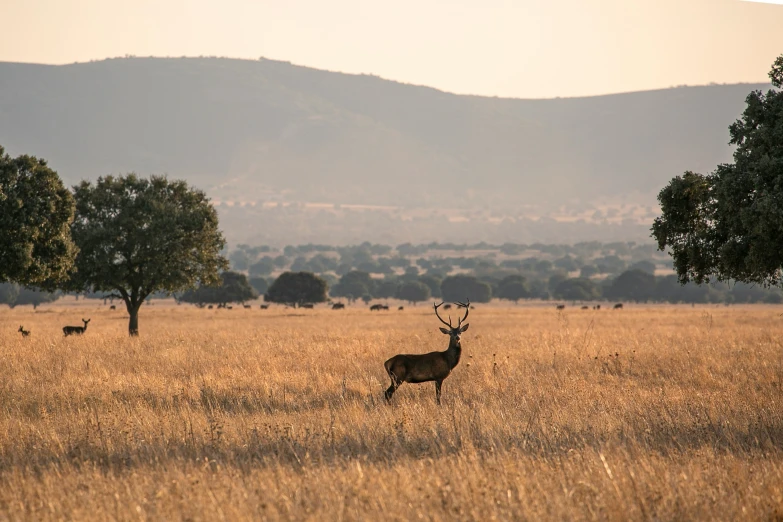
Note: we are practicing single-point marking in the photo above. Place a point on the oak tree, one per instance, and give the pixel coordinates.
(729, 224)
(36, 211)
(138, 236)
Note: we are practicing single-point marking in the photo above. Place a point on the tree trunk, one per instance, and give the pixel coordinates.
(133, 323)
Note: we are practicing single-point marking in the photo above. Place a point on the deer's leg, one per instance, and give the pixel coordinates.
(437, 390)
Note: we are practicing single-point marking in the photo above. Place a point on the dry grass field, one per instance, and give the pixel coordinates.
(644, 413)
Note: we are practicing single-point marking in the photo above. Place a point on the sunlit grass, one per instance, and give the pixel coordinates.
(643, 413)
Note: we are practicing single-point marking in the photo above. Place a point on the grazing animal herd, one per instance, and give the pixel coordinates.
(410, 368)
(617, 306)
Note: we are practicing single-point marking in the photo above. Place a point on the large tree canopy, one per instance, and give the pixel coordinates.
(729, 224)
(234, 288)
(36, 211)
(297, 288)
(138, 236)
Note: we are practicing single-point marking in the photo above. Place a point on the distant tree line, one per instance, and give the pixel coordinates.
(632, 285)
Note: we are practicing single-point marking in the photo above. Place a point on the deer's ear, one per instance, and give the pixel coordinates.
(464, 327)
(444, 330)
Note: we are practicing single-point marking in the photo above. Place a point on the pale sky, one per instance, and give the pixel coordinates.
(520, 48)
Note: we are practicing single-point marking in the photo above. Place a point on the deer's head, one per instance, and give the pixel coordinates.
(452, 331)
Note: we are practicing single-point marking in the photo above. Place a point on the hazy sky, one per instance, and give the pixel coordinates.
(521, 48)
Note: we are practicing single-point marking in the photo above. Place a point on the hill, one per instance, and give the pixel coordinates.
(260, 131)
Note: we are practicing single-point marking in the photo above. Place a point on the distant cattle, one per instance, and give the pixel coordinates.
(338, 306)
(307, 305)
(264, 306)
(246, 307)
(585, 307)
(618, 306)
(112, 307)
(378, 307)
(401, 308)
(561, 307)
(229, 307)
(447, 306)
(210, 307)
(597, 307)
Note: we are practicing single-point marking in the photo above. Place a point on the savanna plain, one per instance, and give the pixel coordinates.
(665, 413)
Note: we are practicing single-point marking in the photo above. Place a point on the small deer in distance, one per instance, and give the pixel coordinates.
(24, 332)
(76, 330)
(433, 366)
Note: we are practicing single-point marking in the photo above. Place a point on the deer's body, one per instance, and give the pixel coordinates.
(76, 330)
(24, 332)
(426, 367)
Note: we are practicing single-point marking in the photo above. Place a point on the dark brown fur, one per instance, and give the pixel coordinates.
(76, 330)
(433, 366)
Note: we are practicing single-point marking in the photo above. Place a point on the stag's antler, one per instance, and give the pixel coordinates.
(466, 306)
(439, 317)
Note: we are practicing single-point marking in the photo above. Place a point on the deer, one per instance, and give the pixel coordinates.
(433, 366)
(76, 330)
(338, 306)
(24, 332)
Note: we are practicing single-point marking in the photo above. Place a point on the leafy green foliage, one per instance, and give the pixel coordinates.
(259, 284)
(297, 288)
(386, 289)
(8, 293)
(354, 285)
(13, 295)
(513, 288)
(138, 236)
(577, 289)
(234, 288)
(729, 224)
(36, 211)
(462, 287)
(433, 283)
(413, 292)
(633, 285)
(263, 267)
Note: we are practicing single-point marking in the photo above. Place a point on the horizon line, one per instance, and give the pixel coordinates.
(288, 62)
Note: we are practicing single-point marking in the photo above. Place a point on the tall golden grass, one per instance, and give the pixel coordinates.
(667, 413)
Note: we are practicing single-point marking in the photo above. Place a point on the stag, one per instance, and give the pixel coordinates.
(24, 332)
(433, 366)
(76, 330)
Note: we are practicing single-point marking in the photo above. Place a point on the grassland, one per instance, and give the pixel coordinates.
(660, 413)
